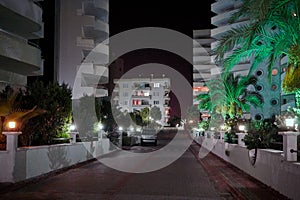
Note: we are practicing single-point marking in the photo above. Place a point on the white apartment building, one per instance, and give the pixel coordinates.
(20, 24)
(202, 61)
(271, 92)
(138, 93)
(82, 40)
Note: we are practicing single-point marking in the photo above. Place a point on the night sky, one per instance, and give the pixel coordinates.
(182, 16)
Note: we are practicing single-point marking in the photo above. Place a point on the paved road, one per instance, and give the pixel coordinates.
(184, 179)
(187, 178)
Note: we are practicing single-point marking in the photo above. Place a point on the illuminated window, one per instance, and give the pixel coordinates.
(156, 85)
(274, 72)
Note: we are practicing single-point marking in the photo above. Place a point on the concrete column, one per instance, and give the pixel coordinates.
(100, 135)
(222, 134)
(11, 141)
(290, 143)
(241, 139)
(73, 137)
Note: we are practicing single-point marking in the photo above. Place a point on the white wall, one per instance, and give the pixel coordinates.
(270, 167)
(30, 162)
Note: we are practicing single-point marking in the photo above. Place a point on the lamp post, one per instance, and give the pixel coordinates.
(100, 131)
(73, 133)
(11, 136)
(241, 135)
(290, 140)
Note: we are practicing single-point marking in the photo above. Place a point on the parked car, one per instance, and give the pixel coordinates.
(149, 135)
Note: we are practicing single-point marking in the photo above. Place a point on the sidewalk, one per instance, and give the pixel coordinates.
(230, 180)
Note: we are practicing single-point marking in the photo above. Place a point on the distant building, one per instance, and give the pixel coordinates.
(138, 93)
(82, 40)
(21, 26)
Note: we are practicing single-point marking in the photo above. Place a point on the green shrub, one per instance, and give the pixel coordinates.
(56, 100)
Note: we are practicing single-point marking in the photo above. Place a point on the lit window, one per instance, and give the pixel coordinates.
(146, 94)
(274, 72)
(156, 85)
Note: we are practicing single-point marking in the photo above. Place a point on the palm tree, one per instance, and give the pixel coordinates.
(272, 33)
(230, 96)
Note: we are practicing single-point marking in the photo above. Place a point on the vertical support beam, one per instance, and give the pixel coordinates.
(290, 143)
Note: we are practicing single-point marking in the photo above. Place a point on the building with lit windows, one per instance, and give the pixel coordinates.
(138, 93)
(82, 40)
(202, 61)
(21, 26)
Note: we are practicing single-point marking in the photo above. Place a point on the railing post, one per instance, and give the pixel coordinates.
(241, 139)
(11, 141)
(73, 137)
(290, 145)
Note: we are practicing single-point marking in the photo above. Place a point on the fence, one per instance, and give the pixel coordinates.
(277, 169)
(19, 164)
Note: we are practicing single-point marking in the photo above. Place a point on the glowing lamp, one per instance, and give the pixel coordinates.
(12, 125)
(290, 122)
(120, 128)
(72, 127)
(242, 127)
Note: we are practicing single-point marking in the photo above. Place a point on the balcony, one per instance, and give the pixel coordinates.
(102, 4)
(222, 19)
(101, 92)
(197, 77)
(200, 68)
(97, 8)
(17, 56)
(202, 60)
(201, 51)
(99, 55)
(219, 32)
(225, 5)
(23, 18)
(93, 75)
(95, 32)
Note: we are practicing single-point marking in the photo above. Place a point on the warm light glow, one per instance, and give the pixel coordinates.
(294, 14)
(72, 127)
(201, 89)
(242, 127)
(100, 126)
(289, 122)
(223, 127)
(11, 125)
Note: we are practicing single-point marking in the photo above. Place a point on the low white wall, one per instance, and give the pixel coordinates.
(6, 166)
(270, 167)
(30, 162)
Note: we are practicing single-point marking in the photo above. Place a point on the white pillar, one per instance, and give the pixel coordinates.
(222, 134)
(241, 139)
(100, 135)
(289, 143)
(11, 148)
(11, 141)
(73, 137)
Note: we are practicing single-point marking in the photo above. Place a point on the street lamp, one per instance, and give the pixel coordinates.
(12, 125)
(290, 123)
(242, 128)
